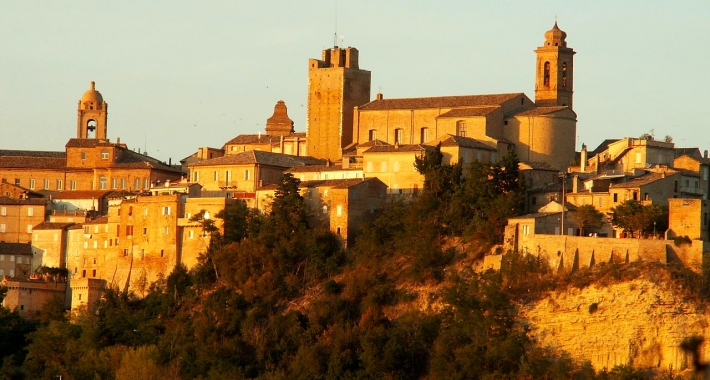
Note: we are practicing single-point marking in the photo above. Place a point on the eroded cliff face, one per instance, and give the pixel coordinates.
(639, 322)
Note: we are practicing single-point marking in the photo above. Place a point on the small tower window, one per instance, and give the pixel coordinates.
(546, 79)
(564, 74)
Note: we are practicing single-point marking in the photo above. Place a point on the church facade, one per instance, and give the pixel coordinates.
(542, 130)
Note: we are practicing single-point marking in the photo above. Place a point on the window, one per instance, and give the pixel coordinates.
(196, 177)
(17, 181)
(137, 184)
(83, 155)
(546, 74)
(424, 135)
(60, 184)
(461, 128)
(601, 201)
(216, 176)
(146, 184)
(145, 211)
(399, 136)
(616, 197)
(3, 210)
(12, 272)
(533, 200)
(564, 74)
(124, 183)
(145, 230)
(104, 154)
(129, 230)
(125, 252)
(30, 211)
(638, 158)
(526, 230)
(191, 234)
(372, 134)
(93, 273)
(166, 210)
(162, 253)
(383, 167)
(130, 210)
(102, 183)
(114, 183)
(12, 257)
(45, 184)
(369, 166)
(83, 273)
(29, 228)
(2, 227)
(167, 230)
(339, 211)
(2, 257)
(246, 175)
(395, 167)
(325, 210)
(32, 183)
(72, 185)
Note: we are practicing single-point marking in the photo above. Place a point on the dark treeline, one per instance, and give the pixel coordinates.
(275, 297)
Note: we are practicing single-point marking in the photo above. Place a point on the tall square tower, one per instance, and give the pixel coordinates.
(336, 85)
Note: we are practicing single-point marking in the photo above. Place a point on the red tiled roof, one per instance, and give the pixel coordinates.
(260, 157)
(539, 111)
(28, 162)
(469, 112)
(31, 153)
(396, 149)
(51, 226)
(82, 194)
(5, 200)
(439, 102)
(466, 142)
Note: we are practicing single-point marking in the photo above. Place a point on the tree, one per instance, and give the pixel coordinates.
(587, 216)
(636, 218)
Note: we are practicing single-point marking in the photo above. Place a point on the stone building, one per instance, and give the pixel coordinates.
(19, 216)
(15, 260)
(89, 162)
(688, 217)
(336, 85)
(343, 205)
(29, 296)
(394, 166)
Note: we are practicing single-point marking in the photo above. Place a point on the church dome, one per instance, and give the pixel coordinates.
(555, 37)
(91, 95)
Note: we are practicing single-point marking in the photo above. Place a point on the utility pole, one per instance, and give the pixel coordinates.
(562, 219)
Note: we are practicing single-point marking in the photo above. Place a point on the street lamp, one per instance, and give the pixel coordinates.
(654, 229)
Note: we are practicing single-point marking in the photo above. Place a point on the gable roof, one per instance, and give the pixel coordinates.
(32, 162)
(397, 148)
(642, 180)
(5, 200)
(51, 226)
(439, 102)
(469, 112)
(260, 157)
(464, 142)
(540, 111)
(16, 248)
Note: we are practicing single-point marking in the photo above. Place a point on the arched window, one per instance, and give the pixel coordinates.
(546, 79)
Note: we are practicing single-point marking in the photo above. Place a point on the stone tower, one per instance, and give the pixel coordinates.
(279, 124)
(335, 86)
(92, 115)
(554, 79)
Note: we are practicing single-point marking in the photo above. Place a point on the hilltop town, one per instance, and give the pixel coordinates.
(100, 214)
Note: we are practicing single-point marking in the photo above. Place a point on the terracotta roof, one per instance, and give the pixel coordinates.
(82, 194)
(100, 220)
(262, 158)
(639, 181)
(535, 215)
(466, 142)
(539, 111)
(396, 149)
(16, 248)
(5, 200)
(252, 139)
(602, 147)
(30, 162)
(332, 183)
(319, 168)
(31, 153)
(51, 226)
(469, 112)
(373, 143)
(88, 143)
(439, 102)
(537, 166)
(131, 159)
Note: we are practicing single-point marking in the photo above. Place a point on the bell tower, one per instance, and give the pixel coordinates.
(92, 115)
(554, 79)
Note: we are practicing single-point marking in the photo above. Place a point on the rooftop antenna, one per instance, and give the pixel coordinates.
(335, 34)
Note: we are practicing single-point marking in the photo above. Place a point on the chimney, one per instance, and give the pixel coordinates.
(575, 184)
(705, 153)
(583, 159)
(379, 97)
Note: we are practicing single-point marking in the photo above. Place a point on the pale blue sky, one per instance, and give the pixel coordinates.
(183, 74)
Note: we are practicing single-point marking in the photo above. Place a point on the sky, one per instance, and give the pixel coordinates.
(178, 75)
